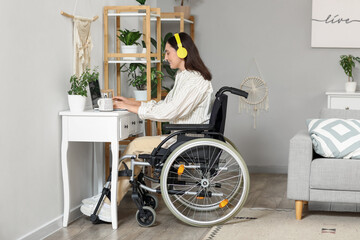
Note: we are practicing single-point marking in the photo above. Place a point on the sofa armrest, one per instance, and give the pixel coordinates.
(300, 158)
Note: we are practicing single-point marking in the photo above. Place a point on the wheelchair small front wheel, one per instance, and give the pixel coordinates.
(151, 200)
(146, 217)
(204, 182)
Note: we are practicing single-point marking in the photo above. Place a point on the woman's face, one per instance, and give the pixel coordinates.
(173, 59)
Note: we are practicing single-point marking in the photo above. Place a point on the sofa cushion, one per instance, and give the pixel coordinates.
(334, 137)
(340, 113)
(335, 174)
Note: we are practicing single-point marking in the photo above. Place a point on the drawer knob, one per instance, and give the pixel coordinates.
(133, 122)
(126, 126)
(140, 121)
(347, 108)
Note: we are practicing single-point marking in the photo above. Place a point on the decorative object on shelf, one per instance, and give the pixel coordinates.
(347, 62)
(129, 39)
(258, 95)
(137, 78)
(184, 9)
(78, 89)
(153, 42)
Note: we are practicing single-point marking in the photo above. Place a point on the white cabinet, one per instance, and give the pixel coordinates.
(343, 100)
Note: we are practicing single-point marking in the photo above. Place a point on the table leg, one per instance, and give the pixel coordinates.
(114, 181)
(65, 175)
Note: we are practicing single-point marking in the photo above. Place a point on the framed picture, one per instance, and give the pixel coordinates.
(335, 24)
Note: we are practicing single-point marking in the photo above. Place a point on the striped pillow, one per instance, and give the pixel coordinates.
(334, 137)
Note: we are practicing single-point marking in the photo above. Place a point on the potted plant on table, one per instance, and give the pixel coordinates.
(184, 9)
(78, 89)
(347, 62)
(137, 78)
(129, 39)
(142, 2)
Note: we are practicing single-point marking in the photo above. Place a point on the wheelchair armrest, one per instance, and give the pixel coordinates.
(188, 127)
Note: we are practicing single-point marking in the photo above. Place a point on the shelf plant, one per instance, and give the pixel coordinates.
(347, 62)
(129, 39)
(137, 76)
(142, 2)
(78, 89)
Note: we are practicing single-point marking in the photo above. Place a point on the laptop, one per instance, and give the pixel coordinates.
(95, 93)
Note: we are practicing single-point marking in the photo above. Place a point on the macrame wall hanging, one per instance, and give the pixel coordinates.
(82, 41)
(258, 94)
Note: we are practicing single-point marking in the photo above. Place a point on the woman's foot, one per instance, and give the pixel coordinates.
(104, 212)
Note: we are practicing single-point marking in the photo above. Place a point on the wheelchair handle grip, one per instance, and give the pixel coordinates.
(235, 91)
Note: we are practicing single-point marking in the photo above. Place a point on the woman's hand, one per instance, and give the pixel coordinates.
(120, 102)
(126, 101)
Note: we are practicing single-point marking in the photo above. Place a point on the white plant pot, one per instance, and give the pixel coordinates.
(143, 51)
(140, 95)
(350, 86)
(76, 103)
(129, 49)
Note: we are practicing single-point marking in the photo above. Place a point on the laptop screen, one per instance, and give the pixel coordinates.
(95, 93)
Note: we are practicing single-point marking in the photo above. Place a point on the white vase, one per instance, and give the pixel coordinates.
(76, 103)
(143, 51)
(140, 95)
(129, 49)
(350, 86)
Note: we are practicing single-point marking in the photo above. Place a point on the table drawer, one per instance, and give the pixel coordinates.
(99, 129)
(140, 125)
(345, 103)
(124, 127)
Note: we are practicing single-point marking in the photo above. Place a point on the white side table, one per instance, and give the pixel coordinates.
(343, 100)
(95, 126)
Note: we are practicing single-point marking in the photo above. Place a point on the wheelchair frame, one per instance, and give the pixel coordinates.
(202, 204)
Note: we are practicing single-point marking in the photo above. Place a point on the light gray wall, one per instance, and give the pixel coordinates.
(277, 33)
(36, 62)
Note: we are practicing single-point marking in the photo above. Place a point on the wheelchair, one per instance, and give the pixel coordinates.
(203, 179)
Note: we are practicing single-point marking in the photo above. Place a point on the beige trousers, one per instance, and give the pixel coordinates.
(140, 145)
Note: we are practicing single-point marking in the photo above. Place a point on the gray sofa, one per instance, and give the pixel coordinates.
(314, 178)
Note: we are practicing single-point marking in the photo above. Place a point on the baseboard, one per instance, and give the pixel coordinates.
(268, 169)
(52, 226)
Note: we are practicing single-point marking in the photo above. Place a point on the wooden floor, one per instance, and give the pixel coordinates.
(266, 191)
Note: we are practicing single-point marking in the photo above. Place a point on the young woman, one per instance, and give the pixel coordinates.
(189, 102)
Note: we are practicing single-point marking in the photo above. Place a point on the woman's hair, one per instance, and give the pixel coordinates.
(192, 60)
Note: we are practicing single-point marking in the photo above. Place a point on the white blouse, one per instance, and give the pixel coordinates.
(189, 102)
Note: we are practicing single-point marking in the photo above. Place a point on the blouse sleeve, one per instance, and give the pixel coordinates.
(192, 92)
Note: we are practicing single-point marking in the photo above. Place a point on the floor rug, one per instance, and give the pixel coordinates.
(269, 224)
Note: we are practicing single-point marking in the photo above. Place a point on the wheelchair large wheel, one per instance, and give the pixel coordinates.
(204, 182)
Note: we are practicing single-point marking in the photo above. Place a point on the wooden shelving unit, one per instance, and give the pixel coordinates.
(179, 17)
(148, 14)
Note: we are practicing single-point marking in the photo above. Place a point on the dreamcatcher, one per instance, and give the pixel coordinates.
(258, 96)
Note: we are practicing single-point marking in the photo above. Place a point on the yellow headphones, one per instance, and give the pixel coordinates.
(181, 52)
